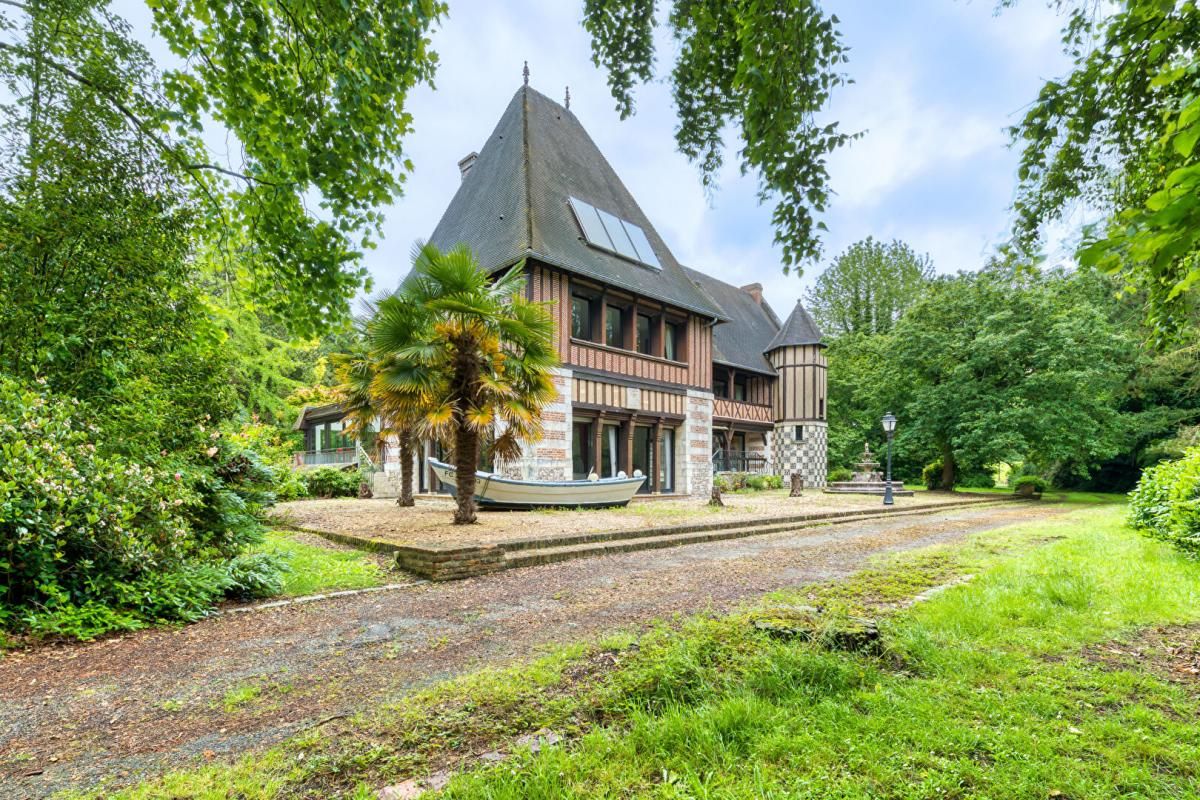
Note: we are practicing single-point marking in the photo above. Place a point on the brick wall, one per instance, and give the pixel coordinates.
(696, 461)
(548, 459)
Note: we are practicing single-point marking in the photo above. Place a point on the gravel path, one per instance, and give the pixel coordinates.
(124, 708)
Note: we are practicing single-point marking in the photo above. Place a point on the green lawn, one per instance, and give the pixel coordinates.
(313, 569)
(986, 690)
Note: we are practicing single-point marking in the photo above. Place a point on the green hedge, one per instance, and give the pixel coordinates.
(1166, 502)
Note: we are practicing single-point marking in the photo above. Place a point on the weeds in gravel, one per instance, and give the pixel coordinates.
(314, 569)
(982, 691)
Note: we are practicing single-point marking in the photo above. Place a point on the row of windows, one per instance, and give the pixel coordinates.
(625, 327)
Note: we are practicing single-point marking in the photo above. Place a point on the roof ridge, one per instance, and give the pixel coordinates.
(525, 165)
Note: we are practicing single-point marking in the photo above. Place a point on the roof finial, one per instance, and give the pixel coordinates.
(525, 73)
(567, 102)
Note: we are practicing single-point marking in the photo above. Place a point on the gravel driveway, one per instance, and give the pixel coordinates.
(129, 707)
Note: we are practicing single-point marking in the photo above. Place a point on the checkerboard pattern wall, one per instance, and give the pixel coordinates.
(807, 457)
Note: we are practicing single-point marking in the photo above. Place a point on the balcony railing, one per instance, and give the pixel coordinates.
(337, 457)
(724, 408)
(739, 461)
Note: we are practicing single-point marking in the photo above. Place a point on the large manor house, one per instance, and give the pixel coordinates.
(665, 370)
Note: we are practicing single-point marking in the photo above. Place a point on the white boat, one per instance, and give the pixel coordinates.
(495, 492)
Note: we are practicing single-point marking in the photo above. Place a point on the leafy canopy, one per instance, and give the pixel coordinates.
(867, 287)
(765, 66)
(1120, 133)
(1001, 366)
(312, 95)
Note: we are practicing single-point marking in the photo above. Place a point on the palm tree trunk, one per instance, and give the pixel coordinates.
(406, 468)
(466, 455)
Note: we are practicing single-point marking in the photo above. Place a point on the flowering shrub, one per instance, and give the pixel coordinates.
(1166, 502)
(92, 541)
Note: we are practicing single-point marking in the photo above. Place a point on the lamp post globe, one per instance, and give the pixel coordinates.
(889, 427)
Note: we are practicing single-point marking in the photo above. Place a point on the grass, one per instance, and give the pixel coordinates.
(314, 569)
(984, 690)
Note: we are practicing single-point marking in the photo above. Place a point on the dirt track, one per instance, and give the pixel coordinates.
(125, 708)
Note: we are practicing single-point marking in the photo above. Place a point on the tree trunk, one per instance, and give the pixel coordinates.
(466, 454)
(949, 469)
(406, 469)
(797, 485)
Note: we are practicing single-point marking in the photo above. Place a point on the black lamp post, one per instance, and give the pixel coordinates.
(889, 427)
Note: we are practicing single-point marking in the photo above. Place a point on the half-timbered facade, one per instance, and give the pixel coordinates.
(666, 370)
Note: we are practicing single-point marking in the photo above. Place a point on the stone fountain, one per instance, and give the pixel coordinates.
(867, 479)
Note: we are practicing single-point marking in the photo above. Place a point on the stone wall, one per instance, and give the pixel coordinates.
(548, 459)
(696, 475)
(807, 457)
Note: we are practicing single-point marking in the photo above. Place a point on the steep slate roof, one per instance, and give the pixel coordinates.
(742, 340)
(513, 204)
(799, 329)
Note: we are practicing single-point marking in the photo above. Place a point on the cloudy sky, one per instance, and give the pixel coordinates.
(936, 84)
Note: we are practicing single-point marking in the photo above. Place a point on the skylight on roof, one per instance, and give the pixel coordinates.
(602, 229)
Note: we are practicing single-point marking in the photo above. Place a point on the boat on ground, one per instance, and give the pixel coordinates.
(495, 492)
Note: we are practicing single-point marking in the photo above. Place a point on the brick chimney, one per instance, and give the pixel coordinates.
(466, 162)
(755, 291)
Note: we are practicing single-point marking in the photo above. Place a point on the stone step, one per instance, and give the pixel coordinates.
(528, 557)
(780, 523)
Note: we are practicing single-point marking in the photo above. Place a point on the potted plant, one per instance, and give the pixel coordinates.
(1030, 486)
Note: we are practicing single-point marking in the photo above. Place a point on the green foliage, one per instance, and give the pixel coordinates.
(1166, 502)
(92, 541)
(1036, 484)
(767, 68)
(253, 69)
(868, 287)
(840, 474)
(1120, 133)
(275, 451)
(331, 482)
(977, 479)
(746, 481)
(254, 576)
(1002, 366)
(931, 475)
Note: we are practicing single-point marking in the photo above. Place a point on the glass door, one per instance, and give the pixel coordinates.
(643, 454)
(666, 462)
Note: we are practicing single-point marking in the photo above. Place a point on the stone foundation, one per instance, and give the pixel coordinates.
(806, 457)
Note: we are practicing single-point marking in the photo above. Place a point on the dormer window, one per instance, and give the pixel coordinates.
(608, 232)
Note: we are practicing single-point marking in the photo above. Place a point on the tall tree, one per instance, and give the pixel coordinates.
(1006, 365)
(296, 202)
(472, 353)
(1120, 133)
(867, 287)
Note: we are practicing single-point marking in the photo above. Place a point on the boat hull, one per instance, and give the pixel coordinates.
(494, 492)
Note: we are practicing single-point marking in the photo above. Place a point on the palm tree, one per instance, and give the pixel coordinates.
(466, 356)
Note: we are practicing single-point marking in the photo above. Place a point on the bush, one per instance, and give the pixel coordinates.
(756, 482)
(977, 480)
(1166, 502)
(275, 451)
(774, 481)
(254, 576)
(931, 476)
(92, 540)
(332, 482)
(840, 474)
(1037, 483)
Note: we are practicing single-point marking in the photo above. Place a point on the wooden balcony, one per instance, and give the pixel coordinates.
(739, 411)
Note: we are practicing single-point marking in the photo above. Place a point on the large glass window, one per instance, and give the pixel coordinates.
(643, 454)
(613, 332)
(581, 450)
(643, 334)
(610, 451)
(581, 317)
(739, 387)
(670, 340)
(720, 386)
